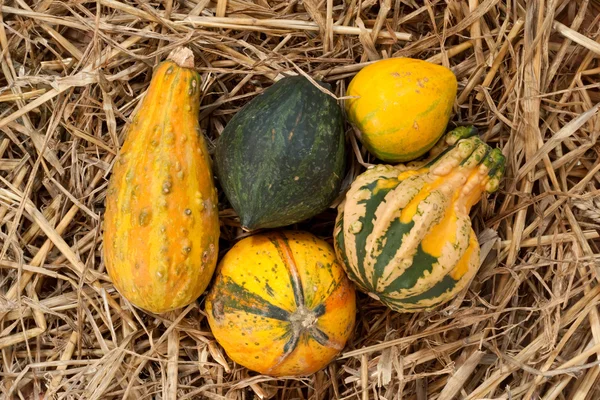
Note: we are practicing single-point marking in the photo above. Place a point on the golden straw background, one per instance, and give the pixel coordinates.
(73, 72)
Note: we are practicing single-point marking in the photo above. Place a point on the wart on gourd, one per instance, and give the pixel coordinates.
(166, 187)
(169, 138)
(192, 89)
(145, 217)
(199, 201)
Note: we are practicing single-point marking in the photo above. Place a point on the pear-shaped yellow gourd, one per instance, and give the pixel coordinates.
(161, 226)
(401, 106)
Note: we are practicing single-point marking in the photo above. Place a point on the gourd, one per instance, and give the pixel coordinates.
(281, 304)
(161, 225)
(400, 106)
(280, 160)
(403, 232)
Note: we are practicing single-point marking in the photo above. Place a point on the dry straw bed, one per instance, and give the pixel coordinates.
(73, 72)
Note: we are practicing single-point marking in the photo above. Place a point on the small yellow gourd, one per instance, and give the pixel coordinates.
(401, 106)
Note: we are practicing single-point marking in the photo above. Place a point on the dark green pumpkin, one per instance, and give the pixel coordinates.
(280, 160)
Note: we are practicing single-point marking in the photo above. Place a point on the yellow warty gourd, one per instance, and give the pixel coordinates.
(161, 226)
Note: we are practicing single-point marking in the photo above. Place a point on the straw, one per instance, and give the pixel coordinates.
(73, 74)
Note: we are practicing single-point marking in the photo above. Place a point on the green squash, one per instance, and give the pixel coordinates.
(281, 158)
(404, 233)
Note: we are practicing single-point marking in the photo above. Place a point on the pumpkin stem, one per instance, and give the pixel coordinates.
(183, 57)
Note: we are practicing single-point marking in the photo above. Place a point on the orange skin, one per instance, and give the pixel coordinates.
(161, 226)
(281, 304)
(402, 107)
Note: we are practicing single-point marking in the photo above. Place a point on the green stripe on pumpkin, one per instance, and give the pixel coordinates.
(341, 244)
(393, 240)
(291, 344)
(421, 262)
(318, 335)
(280, 241)
(443, 286)
(368, 222)
(240, 299)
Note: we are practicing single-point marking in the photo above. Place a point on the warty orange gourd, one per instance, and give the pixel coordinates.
(161, 225)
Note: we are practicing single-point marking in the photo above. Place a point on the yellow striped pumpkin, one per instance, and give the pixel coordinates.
(281, 304)
(404, 233)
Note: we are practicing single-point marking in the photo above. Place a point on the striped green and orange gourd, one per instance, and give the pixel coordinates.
(404, 233)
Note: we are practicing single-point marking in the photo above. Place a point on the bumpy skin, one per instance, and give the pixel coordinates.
(403, 106)
(161, 224)
(281, 304)
(280, 160)
(404, 232)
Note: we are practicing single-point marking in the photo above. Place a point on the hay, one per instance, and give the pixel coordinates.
(72, 74)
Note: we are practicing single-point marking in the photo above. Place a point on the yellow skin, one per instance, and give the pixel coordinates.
(402, 106)
(281, 304)
(161, 226)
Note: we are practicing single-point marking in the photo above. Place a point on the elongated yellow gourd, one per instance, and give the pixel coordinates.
(161, 225)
